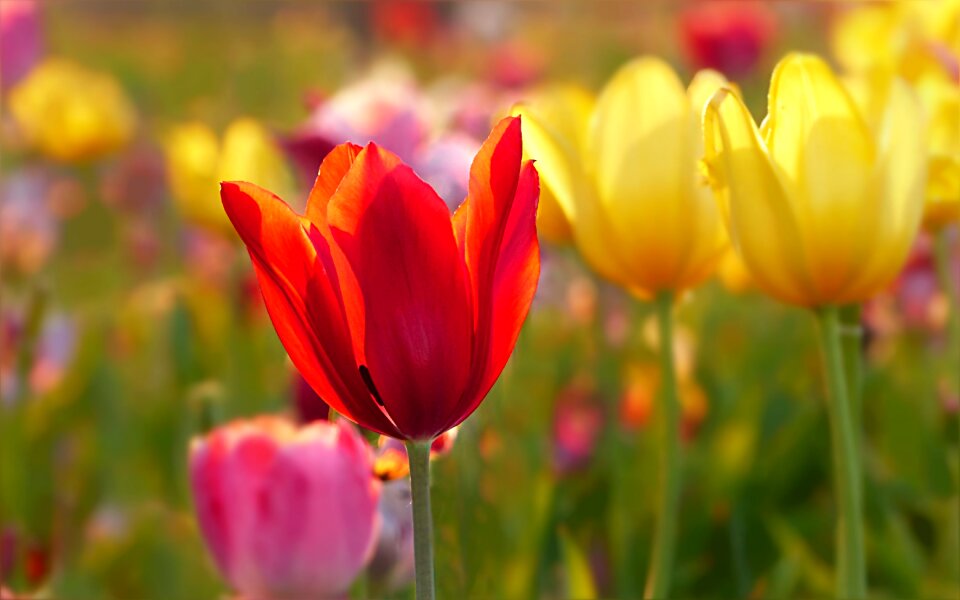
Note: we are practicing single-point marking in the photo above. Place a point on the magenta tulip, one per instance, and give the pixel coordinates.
(286, 512)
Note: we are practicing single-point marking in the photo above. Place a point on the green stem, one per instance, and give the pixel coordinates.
(852, 343)
(942, 257)
(851, 583)
(665, 541)
(418, 453)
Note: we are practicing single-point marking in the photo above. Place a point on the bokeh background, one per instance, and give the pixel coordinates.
(130, 319)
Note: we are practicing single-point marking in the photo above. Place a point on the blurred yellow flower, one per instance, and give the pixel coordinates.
(626, 177)
(907, 38)
(567, 109)
(197, 162)
(942, 102)
(70, 113)
(821, 209)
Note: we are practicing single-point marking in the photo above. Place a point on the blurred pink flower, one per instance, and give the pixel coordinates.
(286, 512)
(21, 39)
(389, 109)
(28, 228)
(577, 425)
(915, 300)
(53, 353)
(730, 37)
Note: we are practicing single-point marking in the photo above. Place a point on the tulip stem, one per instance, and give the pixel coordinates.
(665, 540)
(851, 582)
(418, 453)
(942, 258)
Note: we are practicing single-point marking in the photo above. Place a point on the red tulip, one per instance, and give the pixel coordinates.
(398, 314)
(727, 36)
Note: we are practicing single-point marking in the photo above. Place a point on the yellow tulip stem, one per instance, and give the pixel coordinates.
(853, 360)
(665, 540)
(851, 582)
(418, 454)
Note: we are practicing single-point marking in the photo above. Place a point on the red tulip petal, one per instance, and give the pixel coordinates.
(332, 171)
(496, 231)
(397, 235)
(334, 168)
(303, 307)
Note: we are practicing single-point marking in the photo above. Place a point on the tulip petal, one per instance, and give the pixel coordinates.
(818, 138)
(567, 109)
(300, 301)
(753, 199)
(332, 171)
(640, 151)
(496, 231)
(396, 233)
(561, 169)
(901, 176)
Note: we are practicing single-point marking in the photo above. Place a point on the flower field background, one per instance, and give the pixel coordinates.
(131, 320)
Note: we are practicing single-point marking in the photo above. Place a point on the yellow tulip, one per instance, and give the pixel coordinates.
(567, 108)
(197, 162)
(821, 209)
(942, 101)
(907, 38)
(627, 178)
(70, 113)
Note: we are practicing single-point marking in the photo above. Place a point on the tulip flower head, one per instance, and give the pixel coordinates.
(70, 113)
(400, 315)
(821, 210)
(942, 102)
(286, 512)
(197, 161)
(639, 213)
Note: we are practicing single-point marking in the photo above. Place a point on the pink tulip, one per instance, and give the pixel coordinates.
(286, 512)
(21, 39)
(389, 109)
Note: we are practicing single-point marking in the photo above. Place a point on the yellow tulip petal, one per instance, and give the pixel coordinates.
(703, 86)
(640, 153)
(560, 168)
(892, 223)
(192, 153)
(762, 225)
(709, 240)
(817, 137)
(862, 38)
(567, 109)
(943, 193)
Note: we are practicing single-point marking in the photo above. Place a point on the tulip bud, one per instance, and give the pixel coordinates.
(286, 512)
